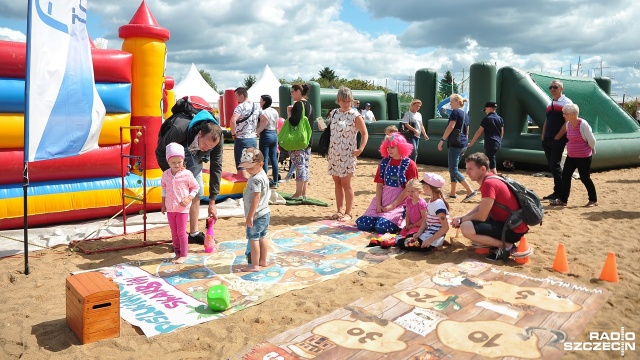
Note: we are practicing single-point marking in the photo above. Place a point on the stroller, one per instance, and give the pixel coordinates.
(284, 162)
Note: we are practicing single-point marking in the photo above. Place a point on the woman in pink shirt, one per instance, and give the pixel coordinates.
(179, 187)
(580, 148)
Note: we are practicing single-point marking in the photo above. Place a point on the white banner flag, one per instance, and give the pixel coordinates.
(64, 112)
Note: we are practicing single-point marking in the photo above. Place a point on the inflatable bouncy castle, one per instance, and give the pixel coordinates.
(131, 84)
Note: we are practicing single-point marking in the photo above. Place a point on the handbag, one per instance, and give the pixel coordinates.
(455, 138)
(295, 137)
(408, 134)
(253, 108)
(325, 138)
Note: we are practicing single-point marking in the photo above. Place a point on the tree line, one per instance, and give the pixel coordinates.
(327, 78)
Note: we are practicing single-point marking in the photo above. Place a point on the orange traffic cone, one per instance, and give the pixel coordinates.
(610, 269)
(522, 247)
(481, 251)
(560, 263)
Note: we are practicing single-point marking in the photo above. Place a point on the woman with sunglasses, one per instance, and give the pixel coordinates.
(554, 136)
(343, 151)
(385, 213)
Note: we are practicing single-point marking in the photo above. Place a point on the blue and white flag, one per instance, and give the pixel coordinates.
(64, 113)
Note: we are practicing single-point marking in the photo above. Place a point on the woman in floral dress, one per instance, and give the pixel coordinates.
(343, 151)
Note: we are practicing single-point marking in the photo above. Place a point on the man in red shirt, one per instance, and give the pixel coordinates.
(484, 224)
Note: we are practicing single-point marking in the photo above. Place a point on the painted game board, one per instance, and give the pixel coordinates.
(160, 297)
(466, 311)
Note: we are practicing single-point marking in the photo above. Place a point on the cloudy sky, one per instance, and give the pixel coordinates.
(379, 40)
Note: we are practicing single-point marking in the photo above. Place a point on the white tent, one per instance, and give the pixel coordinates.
(267, 84)
(194, 84)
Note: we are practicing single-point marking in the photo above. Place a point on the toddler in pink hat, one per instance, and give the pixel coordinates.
(179, 187)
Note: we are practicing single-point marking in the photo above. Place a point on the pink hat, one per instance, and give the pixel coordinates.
(175, 149)
(432, 179)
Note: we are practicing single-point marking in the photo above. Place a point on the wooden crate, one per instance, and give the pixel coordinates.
(93, 307)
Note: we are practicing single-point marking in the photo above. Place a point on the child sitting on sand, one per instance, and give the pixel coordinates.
(415, 209)
(433, 231)
(256, 208)
(179, 187)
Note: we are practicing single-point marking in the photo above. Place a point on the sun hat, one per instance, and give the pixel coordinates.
(432, 179)
(250, 157)
(175, 149)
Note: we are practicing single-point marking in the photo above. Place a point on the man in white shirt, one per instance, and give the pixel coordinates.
(356, 105)
(367, 114)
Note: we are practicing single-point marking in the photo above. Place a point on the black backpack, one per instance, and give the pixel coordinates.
(187, 106)
(531, 212)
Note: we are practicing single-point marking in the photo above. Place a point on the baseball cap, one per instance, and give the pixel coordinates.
(432, 179)
(175, 149)
(367, 104)
(250, 157)
(491, 104)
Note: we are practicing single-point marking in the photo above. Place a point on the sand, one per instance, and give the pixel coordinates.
(33, 324)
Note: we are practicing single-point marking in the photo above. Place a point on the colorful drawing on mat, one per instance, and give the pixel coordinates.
(455, 311)
(300, 257)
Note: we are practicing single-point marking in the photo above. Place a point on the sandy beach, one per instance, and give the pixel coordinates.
(33, 316)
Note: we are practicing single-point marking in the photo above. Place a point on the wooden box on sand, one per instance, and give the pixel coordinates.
(93, 307)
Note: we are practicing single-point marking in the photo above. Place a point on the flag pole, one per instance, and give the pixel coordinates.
(25, 171)
(25, 186)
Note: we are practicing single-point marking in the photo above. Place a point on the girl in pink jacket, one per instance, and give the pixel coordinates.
(179, 187)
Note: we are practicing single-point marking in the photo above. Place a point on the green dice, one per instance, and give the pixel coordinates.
(218, 298)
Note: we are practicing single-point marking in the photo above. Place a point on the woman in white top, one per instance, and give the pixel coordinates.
(412, 127)
(343, 151)
(269, 137)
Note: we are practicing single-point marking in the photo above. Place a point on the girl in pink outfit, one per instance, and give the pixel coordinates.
(179, 187)
(416, 209)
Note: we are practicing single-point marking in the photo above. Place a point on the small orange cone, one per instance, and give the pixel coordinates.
(610, 269)
(560, 263)
(481, 251)
(522, 247)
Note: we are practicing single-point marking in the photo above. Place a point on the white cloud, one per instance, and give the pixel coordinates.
(11, 35)
(296, 38)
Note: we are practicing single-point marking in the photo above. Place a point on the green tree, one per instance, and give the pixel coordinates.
(447, 85)
(631, 107)
(327, 74)
(207, 77)
(353, 84)
(249, 81)
(404, 99)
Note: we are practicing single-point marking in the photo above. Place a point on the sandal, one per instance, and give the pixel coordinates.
(591, 204)
(468, 197)
(557, 202)
(374, 242)
(345, 218)
(336, 216)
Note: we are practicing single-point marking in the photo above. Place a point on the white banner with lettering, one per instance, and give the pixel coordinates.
(154, 305)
